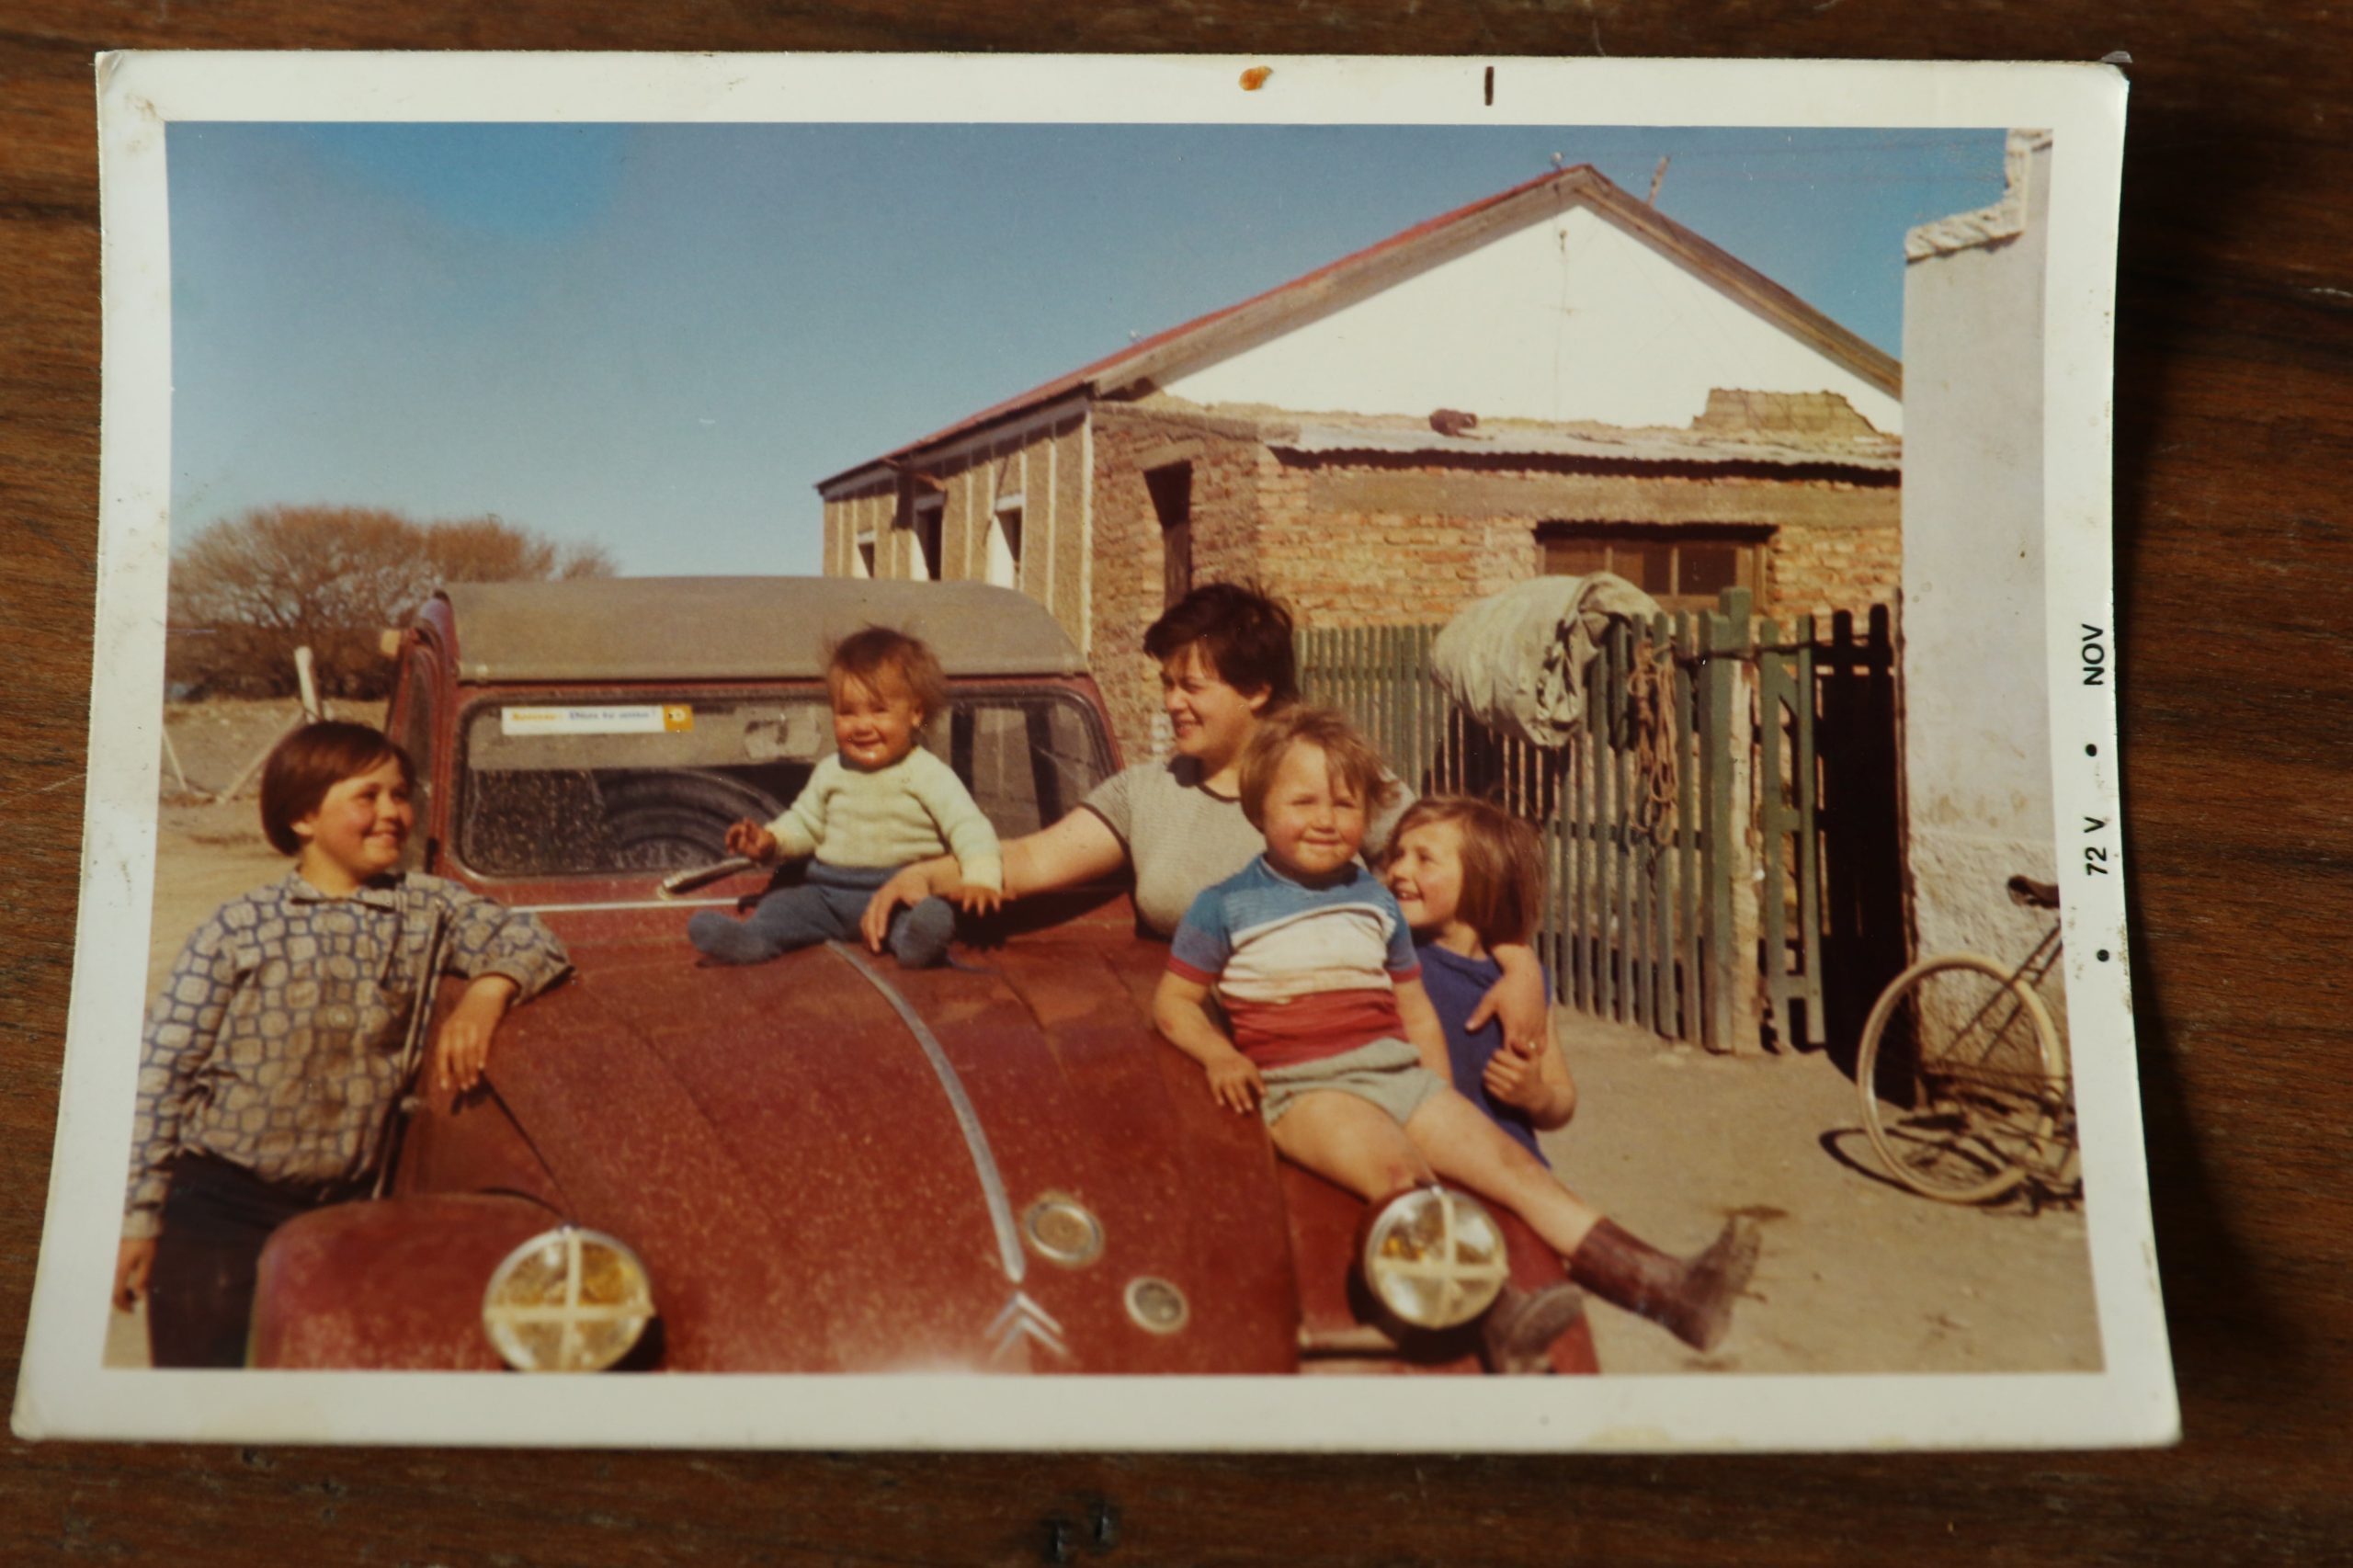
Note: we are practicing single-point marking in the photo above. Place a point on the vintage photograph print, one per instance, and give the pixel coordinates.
(1350, 754)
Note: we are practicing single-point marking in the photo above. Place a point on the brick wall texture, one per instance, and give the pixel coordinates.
(1359, 539)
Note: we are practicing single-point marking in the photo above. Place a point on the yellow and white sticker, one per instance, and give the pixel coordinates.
(635, 718)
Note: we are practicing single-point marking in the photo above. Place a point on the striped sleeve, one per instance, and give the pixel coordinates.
(1204, 941)
(1405, 961)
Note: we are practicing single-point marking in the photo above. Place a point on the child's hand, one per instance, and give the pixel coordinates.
(133, 1263)
(751, 840)
(1235, 1082)
(461, 1047)
(1515, 1076)
(975, 899)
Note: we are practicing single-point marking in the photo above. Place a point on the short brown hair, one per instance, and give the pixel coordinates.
(1244, 634)
(864, 655)
(1347, 753)
(1502, 865)
(312, 760)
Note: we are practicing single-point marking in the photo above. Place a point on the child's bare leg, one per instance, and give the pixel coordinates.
(1690, 1298)
(1463, 1145)
(1351, 1141)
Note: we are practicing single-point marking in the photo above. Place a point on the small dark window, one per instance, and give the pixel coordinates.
(1649, 564)
(1009, 524)
(1574, 557)
(866, 556)
(1708, 568)
(927, 531)
(1172, 502)
(1683, 568)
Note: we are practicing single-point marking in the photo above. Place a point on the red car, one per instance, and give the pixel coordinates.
(825, 1163)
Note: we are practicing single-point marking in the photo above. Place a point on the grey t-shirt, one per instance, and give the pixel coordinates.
(1182, 837)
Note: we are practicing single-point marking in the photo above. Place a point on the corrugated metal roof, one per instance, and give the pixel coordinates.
(1640, 447)
(1580, 180)
(628, 629)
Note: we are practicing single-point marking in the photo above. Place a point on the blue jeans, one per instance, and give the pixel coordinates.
(826, 907)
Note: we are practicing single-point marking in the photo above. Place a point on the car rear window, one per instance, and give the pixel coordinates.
(602, 783)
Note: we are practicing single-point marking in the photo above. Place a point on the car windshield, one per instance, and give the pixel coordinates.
(599, 783)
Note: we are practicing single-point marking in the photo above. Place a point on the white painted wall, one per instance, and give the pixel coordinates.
(1976, 730)
(1570, 317)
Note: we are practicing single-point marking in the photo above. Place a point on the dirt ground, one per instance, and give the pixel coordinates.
(1858, 1275)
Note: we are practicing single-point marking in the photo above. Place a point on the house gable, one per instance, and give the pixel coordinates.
(1577, 311)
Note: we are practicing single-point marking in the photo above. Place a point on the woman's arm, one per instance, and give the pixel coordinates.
(1519, 998)
(1079, 848)
(1180, 1011)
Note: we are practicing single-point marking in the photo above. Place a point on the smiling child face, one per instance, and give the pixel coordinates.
(1314, 819)
(875, 722)
(1424, 872)
(358, 830)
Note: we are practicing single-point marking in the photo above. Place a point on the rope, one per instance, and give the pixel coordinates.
(1649, 695)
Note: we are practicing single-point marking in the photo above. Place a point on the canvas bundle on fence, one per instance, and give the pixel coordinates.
(1720, 826)
(1516, 660)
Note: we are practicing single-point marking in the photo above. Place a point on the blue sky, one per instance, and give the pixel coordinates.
(658, 337)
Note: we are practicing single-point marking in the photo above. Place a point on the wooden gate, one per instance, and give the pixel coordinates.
(1721, 837)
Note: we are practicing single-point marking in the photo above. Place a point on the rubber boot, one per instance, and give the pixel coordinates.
(1517, 1334)
(1690, 1298)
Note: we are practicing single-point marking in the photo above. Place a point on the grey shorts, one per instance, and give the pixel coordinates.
(1389, 1073)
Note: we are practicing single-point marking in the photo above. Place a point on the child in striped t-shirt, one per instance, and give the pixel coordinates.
(1335, 1040)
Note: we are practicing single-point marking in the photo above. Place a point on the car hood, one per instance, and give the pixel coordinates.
(826, 1161)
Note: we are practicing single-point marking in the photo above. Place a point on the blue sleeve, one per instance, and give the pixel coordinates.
(1403, 958)
(1203, 941)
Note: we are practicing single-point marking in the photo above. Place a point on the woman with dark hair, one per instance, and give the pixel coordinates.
(1225, 660)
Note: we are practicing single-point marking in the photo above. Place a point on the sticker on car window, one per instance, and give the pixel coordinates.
(633, 719)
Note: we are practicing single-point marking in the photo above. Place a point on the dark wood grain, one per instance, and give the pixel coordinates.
(2234, 414)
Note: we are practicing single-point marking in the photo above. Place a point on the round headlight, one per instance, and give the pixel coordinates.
(1061, 1230)
(567, 1300)
(1434, 1257)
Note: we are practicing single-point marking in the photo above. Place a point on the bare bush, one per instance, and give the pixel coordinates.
(247, 591)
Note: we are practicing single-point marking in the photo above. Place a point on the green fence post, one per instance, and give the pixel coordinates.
(1772, 827)
(1809, 841)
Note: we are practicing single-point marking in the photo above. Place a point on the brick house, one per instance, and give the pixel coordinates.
(1555, 379)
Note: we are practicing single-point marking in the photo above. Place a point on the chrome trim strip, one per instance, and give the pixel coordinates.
(976, 1138)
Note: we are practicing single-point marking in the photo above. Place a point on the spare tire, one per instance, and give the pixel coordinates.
(671, 818)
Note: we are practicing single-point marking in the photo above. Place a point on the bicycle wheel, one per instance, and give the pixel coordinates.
(1959, 1072)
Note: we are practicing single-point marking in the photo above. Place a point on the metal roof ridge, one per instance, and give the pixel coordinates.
(1608, 200)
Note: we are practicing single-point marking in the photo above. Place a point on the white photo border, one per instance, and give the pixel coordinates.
(64, 1390)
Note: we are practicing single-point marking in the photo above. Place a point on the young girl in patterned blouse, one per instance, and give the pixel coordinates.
(274, 1057)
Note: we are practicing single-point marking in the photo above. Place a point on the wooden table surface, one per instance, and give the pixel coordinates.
(2234, 422)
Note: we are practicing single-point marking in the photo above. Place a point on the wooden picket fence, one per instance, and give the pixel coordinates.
(1685, 829)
